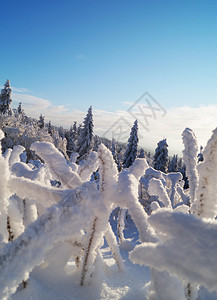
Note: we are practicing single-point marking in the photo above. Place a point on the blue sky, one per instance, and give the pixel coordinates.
(107, 53)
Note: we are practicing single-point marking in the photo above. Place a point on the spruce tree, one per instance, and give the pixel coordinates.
(74, 130)
(173, 164)
(61, 132)
(96, 142)
(41, 122)
(71, 137)
(49, 128)
(161, 156)
(114, 150)
(20, 109)
(141, 153)
(180, 165)
(85, 139)
(6, 99)
(131, 151)
(200, 155)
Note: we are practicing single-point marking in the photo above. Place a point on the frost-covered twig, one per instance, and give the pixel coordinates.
(4, 195)
(15, 154)
(121, 224)
(46, 196)
(190, 160)
(88, 251)
(55, 225)
(174, 179)
(108, 175)
(156, 187)
(23, 170)
(195, 262)
(88, 166)
(111, 240)
(206, 193)
(127, 193)
(57, 164)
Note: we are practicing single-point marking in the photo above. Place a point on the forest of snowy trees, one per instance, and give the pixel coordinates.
(79, 140)
(66, 193)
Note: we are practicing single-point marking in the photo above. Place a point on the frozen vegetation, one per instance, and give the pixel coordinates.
(84, 219)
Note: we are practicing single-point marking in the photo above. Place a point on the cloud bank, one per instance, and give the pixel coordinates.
(201, 119)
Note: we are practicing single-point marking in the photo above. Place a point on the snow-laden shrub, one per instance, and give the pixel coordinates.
(76, 214)
(186, 248)
(43, 226)
(165, 189)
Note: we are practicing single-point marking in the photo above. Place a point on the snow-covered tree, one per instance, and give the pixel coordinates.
(96, 143)
(114, 150)
(120, 155)
(173, 164)
(180, 165)
(131, 152)
(6, 99)
(200, 155)
(71, 137)
(41, 122)
(161, 156)
(20, 109)
(49, 128)
(141, 153)
(85, 139)
(61, 132)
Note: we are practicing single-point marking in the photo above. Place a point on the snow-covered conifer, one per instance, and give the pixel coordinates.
(173, 164)
(61, 132)
(71, 137)
(20, 109)
(161, 156)
(120, 155)
(96, 143)
(180, 165)
(141, 153)
(85, 139)
(131, 152)
(6, 99)
(200, 155)
(41, 122)
(114, 150)
(49, 128)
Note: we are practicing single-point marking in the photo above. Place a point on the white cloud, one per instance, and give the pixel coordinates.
(20, 90)
(201, 119)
